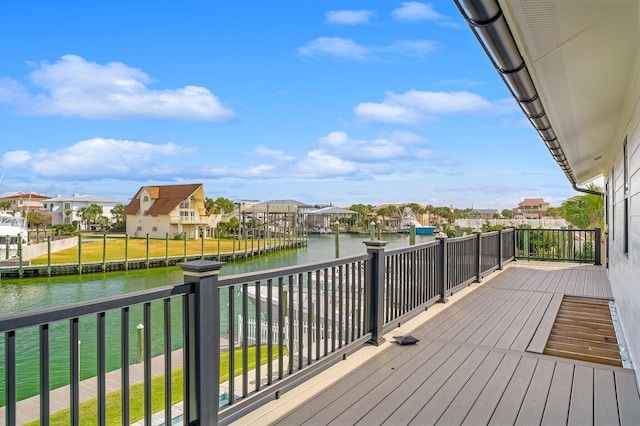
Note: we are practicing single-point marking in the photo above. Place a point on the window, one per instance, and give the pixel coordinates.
(625, 164)
(154, 229)
(67, 206)
(145, 199)
(613, 203)
(184, 204)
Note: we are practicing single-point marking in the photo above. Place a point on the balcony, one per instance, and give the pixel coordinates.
(487, 328)
(190, 220)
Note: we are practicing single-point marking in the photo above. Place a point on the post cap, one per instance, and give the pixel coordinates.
(201, 266)
(375, 244)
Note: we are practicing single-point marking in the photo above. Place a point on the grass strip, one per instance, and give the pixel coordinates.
(136, 248)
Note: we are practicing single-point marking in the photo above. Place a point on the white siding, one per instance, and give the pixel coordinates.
(624, 269)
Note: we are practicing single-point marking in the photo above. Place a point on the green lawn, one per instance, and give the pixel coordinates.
(88, 409)
(136, 248)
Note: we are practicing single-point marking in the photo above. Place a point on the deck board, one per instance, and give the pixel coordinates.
(426, 389)
(533, 406)
(458, 409)
(438, 354)
(559, 397)
(398, 394)
(471, 365)
(581, 405)
(507, 410)
(541, 335)
(604, 398)
(627, 394)
(513, 331)
(490, 396)
(436, 405)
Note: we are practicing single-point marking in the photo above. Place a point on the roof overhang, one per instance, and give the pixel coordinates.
(582, 56)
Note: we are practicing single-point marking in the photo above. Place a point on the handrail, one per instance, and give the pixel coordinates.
(80, 309)
(230, 280)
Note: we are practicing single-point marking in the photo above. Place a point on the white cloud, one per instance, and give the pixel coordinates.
(263, 151)
(73, 86)
(337, 156)
(320, 164)
(375, 150)
(348, 49)
(334, 46)
(416, 48)
(415, 106)
(98, 158)
(413, 11)
(387, 113)
(349, 17)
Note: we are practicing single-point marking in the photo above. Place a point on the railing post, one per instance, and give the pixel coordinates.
(375, 286)
(478, 233)
(412, 235)
(444, 270)
(500, 249)
(336, 229)
(202, 363)
(598, 244)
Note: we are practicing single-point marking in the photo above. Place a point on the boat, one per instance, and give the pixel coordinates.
(408, 218)
(13, 231)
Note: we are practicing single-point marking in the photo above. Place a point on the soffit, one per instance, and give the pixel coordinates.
(580, 54)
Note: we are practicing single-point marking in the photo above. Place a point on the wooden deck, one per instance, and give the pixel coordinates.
(479, 361)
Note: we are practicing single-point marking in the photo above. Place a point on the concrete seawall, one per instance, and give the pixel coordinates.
(36, 250)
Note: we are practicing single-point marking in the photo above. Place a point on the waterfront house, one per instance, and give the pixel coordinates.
(21, 202)
(161, 210)
(532, 208)
(483, 214)
(67, 209)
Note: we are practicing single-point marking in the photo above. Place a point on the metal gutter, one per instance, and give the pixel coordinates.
(486, 20)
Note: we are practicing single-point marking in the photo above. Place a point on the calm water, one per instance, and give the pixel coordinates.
(20, 295)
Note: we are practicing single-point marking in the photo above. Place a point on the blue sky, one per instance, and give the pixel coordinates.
(323, 101)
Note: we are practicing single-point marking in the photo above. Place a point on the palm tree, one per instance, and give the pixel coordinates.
(585, 211)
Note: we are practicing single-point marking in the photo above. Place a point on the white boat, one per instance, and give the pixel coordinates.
(12, 230)
(408, 218)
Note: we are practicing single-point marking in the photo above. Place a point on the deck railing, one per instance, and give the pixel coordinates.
(565, 245)
(313, 315)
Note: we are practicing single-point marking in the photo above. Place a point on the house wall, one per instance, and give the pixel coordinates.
(56, 208)
(624, 268)
(156, 226)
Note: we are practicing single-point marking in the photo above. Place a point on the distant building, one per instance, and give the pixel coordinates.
(67, 209)
(170, 210)
(278, 214)
(324, 219)
(21, 202)
(483, 214)
(532, 208)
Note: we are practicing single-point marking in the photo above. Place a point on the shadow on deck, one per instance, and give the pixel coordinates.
(479, 360)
